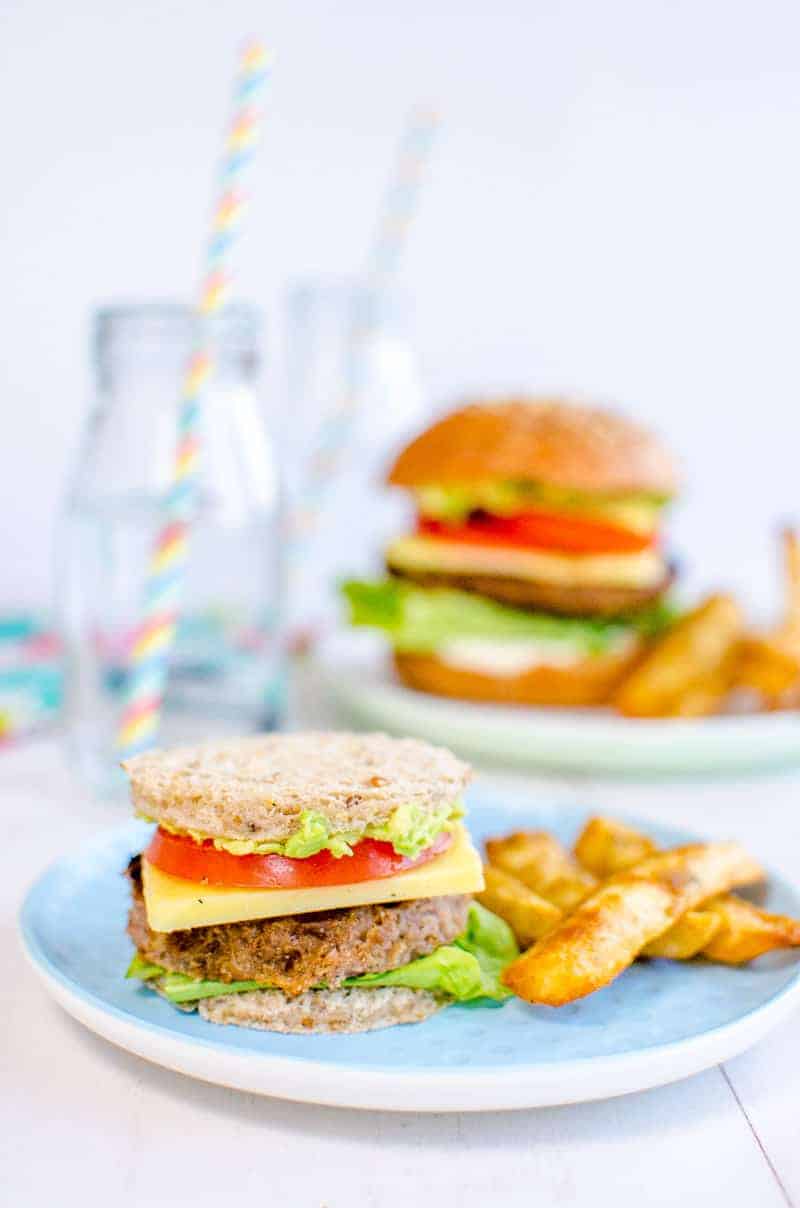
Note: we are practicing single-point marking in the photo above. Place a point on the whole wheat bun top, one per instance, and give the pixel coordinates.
(256, 788)
(543, 440)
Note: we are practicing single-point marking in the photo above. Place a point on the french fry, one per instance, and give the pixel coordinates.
(706, 695)
(528, 915)
(543, 864)
(554, 874)
(605, 847)
(746, 931)
(766, 666)
(739, 931)
(694, 649)
(604, 935)
(790, 630)
(686, 938)
(770, 662)
(561, 881)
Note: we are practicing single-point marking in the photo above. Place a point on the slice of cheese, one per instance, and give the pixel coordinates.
(174, 904)
(642, 569)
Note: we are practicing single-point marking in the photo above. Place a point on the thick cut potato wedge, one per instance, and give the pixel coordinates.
(606, 933)
(605, 847)
(790, 630)
(686, 938)
(707, 694)
(678, 666)
(560, 880)
(746, 931)
(769, 663)
(766, 666)
(739, 931)
(543, 864)
(528, 915)
(556, 875)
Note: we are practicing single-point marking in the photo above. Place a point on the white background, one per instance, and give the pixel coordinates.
(613, 209)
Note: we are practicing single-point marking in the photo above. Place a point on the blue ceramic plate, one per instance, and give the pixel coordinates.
(659, 1022)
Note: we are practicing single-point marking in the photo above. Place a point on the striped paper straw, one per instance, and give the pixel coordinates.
(402, 197)
(153, 641)
(333, 434)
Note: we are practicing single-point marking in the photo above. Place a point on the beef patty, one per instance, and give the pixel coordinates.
(578, 601)
(299, 951)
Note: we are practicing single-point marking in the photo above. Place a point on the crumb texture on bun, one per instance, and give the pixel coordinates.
(592, 681)
(257, 787)
(352, 1010)
(540, 440)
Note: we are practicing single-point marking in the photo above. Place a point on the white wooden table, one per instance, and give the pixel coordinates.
(84, 1123)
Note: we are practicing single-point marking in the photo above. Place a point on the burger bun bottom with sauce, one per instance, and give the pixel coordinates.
(592, 681)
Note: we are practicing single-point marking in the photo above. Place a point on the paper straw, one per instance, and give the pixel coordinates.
(402, 197)
(334, 433)
(153, 641)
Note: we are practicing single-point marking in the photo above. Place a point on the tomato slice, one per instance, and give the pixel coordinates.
(540, 530)
(372, 859)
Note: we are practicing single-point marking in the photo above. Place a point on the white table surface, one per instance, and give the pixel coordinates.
(84, 1123)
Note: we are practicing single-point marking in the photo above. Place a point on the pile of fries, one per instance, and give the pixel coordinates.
(584, 916)
(709, 662)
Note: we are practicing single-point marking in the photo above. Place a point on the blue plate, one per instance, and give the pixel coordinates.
(659, 1022)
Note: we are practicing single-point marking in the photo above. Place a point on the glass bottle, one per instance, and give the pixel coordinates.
(226, 665)
(355, 398)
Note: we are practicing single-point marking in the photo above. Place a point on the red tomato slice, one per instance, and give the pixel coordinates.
(202, 862)
(540, 530)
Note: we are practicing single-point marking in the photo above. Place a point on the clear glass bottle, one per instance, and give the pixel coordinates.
(355, 398)
(226, 666)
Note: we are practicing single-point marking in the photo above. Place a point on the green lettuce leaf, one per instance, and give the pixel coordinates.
(467, 969)
(180, 988)
(142, 969)
(423, 618)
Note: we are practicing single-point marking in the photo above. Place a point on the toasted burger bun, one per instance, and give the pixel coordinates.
(353, 1010)
(543, 440)
(589, 682)
(257, 788)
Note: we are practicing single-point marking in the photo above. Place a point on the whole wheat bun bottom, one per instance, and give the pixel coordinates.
(590, 682)
(353, 1010)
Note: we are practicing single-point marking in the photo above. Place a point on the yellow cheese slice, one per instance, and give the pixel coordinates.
(174, 904)
(643, 569)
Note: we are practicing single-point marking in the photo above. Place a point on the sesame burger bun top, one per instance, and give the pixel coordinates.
(257, 787)
(550, 441)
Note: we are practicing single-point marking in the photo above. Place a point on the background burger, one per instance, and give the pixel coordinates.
(310, 883)
(535, 570)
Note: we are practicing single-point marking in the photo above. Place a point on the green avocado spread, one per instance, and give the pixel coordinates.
(637, 510)
(408, 828)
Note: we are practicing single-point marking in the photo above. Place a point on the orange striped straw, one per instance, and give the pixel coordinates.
(149, 652)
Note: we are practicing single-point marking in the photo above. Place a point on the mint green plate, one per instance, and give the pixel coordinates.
(358, 677)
